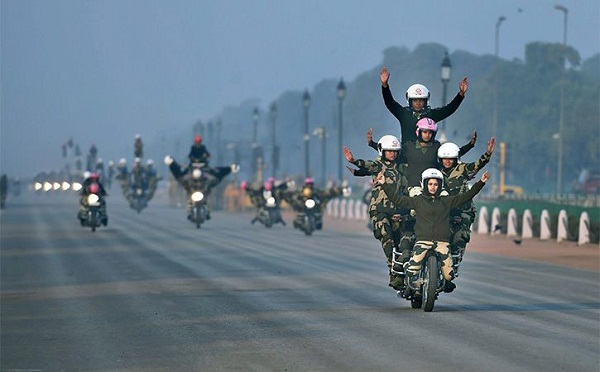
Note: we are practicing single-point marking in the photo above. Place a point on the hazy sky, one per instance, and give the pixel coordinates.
(102, 71)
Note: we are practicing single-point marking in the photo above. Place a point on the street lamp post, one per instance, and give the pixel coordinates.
(219, 128)
(255, 117)
(341, 94)
(322, 134)
(255, 129)
(495, 167)
(445, 73)
(306, 104)
(496, 48)
(275, 148)
(562, 106)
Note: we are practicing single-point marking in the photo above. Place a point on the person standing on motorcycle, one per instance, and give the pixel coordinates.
(433, 212)
(138, 147)
(417, 97)
(457, 176)
(92, 184)
(198, 152)
(384, 216)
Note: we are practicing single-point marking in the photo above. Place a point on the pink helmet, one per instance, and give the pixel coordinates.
(268, 186)
(244, 185)
(426, 124)
(309, 181)
(94, 188)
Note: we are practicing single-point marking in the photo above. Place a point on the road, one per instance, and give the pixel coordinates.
(150, 292)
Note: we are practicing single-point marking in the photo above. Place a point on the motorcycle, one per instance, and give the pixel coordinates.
(269, 214)
(198, 188)
(139, 199)
(424, 290)
(310, 218)
(92, 214)
(198, 212)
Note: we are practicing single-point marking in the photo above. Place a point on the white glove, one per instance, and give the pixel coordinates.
(168, 160)
(234, 168)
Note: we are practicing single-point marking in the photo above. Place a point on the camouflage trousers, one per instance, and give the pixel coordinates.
(461, 231)
(418, 255)
(391, 234)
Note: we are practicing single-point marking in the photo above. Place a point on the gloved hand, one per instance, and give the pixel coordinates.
(168, 160)
(235, 168)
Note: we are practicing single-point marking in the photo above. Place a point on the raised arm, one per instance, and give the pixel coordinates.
(464, 197)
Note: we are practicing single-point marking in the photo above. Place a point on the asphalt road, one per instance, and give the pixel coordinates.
(150, 292)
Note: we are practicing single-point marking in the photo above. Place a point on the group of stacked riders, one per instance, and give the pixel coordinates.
(420, 205)
(138, 186)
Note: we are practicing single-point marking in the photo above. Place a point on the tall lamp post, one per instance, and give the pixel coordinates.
(341, 94)
(322, 134)
(562, 107)
(255, 117)
(275, 148)
(445, 73)
(495, 168)
(306, 104)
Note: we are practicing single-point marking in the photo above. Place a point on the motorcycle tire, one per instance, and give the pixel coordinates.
(93, 219)
(430, 282)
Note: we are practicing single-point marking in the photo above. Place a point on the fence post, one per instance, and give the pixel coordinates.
(495, 227)
(584, 229)
(527, 232)
(545, 232)
(561, 229)
(482, 225)
(511, 224)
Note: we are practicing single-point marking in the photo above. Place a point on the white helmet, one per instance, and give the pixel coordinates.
(448, 150)
(417, 91)
(150, 162)
(388, 142)
(432, 173)
(122, 161)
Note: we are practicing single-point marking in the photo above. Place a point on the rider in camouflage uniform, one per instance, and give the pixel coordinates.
(383, 214)
(457, 176)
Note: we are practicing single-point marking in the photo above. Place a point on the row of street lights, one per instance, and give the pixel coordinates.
(320, 132)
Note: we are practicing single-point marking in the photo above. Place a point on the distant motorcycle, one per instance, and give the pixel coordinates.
(269, 214)
(198, 187)
(310, 218)
(139, 199)
(92, 213)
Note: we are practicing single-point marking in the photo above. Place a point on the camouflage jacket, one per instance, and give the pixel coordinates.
(379, 202)
(457, 177)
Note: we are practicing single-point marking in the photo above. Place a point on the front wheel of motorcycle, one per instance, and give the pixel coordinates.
(430, 283)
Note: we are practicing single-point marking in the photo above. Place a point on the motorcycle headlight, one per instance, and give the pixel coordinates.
(93, 199)
(346, 192)
(197, 196)
(139, 191)
(310, 203)
(271, 201)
